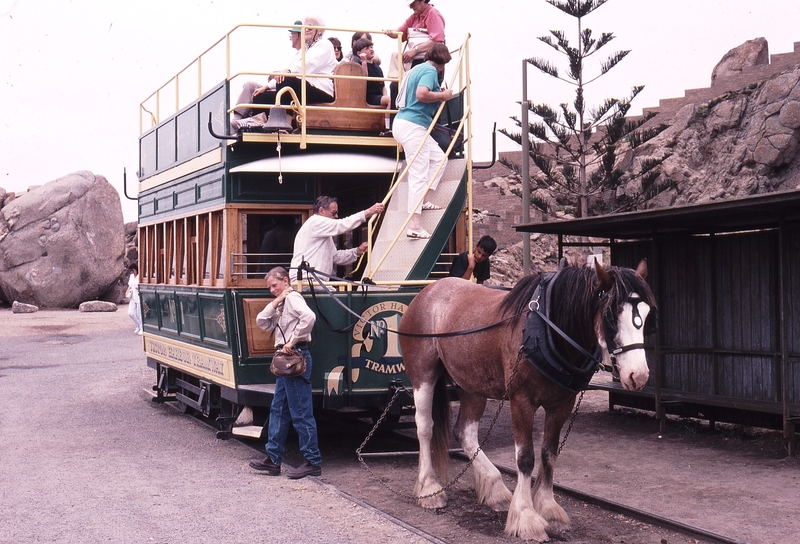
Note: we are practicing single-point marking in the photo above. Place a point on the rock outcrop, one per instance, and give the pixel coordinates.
(738, 137)
(97, 306)
(61, 243)
(22, 308)
(736, 144)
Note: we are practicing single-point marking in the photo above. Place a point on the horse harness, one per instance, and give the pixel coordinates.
(541, 352)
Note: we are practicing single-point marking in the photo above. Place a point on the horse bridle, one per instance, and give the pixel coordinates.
(610, 328)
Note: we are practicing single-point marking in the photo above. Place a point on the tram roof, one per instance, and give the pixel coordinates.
(749, 213)
(327, 163)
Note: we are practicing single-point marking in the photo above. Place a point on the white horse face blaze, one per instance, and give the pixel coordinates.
(633, 370)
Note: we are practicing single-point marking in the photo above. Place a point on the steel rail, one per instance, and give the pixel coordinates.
(605, 504)
(636, 513)
(612, 506)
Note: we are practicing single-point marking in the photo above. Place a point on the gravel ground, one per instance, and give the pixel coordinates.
(87, 458)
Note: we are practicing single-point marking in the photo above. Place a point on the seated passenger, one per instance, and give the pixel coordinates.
(350, 56)
(320, 59)
(337, 48)
(376, 90)
(249, 88)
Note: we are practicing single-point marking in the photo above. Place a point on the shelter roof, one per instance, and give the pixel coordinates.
(749, 213)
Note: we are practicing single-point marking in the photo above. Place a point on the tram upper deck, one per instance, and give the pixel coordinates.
(199, 183)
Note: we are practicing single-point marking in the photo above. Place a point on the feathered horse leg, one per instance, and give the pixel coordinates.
(543, 499)
(523, 519)
(489, 486)
(429, 444)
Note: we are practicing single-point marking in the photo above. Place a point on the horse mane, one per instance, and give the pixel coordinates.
(576, 312)
(573, 305)
(516, 301)
(626, 281)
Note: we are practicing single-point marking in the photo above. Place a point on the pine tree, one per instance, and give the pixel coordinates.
(576, 148)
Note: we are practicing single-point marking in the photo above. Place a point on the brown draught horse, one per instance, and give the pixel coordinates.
(593, 307)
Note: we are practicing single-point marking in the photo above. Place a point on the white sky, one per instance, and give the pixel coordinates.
(74, 71)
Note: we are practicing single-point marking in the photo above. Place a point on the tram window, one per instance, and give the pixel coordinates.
(189, 315)
(219, 252)
(267, 241)
(215, 327)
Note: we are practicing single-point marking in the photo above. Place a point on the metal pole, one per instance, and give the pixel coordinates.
(526, 175)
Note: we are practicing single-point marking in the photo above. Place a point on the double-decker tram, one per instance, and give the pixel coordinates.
(218, 208)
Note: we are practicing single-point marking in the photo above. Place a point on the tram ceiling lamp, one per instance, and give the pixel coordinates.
(278, 120)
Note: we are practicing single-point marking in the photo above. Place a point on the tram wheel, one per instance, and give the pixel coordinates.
(184, 408)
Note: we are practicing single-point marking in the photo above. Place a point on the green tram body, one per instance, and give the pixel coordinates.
(208, 340)
(203, 209)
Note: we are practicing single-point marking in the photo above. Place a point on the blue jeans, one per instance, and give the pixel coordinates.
(292, 404)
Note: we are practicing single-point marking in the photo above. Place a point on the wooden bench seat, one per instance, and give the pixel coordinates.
(349, 93)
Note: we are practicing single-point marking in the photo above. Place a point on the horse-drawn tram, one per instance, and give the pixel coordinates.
(220, 207)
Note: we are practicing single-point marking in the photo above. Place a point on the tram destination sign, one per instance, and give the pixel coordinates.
(201, 362)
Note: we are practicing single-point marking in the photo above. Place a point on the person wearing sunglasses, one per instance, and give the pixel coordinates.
(337, 48)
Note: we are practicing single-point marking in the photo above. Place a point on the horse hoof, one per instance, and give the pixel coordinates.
(432, 503)
(558, 530)
(527, 525)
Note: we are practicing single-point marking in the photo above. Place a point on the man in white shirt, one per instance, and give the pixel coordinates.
(314, 241)
(319, 58)
(249, 89)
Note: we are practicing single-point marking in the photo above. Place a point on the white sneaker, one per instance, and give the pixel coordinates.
(140, 333)
(136, 330)
(248, 122)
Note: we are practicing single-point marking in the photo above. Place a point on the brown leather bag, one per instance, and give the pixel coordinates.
(288, 365)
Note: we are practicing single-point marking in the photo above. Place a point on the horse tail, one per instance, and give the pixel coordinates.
(440, 443)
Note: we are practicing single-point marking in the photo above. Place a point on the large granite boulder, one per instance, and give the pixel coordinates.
(62, 243)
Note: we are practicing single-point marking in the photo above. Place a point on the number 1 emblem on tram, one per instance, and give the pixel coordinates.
(375, 346)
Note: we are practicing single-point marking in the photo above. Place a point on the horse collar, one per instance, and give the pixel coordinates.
(540, 350)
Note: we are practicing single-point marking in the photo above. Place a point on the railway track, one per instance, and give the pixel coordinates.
(595, 519)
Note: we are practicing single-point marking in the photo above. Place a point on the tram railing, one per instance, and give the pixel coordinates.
(459, 80)
(254, 266)
(151, 107)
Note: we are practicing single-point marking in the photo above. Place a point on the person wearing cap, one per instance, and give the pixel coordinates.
(249, 88)
(319, 59)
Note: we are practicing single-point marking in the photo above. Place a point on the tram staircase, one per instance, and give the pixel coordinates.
(423, 253)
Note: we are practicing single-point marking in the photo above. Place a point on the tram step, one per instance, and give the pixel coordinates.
(399, 261)
(248, 431)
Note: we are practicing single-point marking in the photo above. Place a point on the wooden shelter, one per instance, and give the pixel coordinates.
(727, 279)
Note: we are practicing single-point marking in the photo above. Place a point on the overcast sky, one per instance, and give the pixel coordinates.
(74, 71)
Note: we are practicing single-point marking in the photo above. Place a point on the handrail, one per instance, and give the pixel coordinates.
(461, 75)
(463, 62)
(155, 118)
